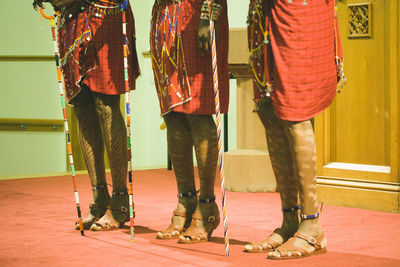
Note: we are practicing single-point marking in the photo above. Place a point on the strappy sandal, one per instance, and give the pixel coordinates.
(196, 233)
(174, 230)
(269, 243)
(115, 216)
(96, 211)
(289, 251)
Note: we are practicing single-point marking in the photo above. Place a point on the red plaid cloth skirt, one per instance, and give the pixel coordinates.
(182, 73)
(300, 57)
(91, 51)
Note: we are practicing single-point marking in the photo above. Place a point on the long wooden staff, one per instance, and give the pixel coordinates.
(218, 117)
(124, 6)
(66, 128)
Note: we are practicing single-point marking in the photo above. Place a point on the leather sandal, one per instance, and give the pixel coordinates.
(96, 211)
(91, 217)
(116, 215)
(266, 245)
(189, 201)
(270, 243)
(202, 227)
(174, 230)
(289, 251)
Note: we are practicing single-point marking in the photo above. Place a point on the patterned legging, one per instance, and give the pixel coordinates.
(293, 156)
(101, 123)
(183, 132)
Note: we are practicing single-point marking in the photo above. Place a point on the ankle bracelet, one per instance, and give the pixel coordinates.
(207, 200)
(292, 209)
(187, 194)
(120, 193)
(99, 187)
(308, 217)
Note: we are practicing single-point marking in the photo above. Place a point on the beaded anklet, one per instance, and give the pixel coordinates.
(99, 187)
(207, 200)
(120, 193)
(187, 194)
(292, 209)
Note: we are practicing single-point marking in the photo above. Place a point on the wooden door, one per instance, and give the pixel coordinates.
(358, 136)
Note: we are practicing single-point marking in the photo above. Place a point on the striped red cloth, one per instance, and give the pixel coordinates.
(96, 57)
(186, 85)
(302, 39)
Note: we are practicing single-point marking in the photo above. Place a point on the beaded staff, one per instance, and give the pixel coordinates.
(218, 117)
(66, 128)
(123, 6)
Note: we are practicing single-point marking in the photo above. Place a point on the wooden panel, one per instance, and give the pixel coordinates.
(359, 120)
(250, 131)
(238, 51)
(358, 137)
(359, 198)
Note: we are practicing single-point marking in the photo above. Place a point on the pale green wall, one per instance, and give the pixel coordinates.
(29, 90)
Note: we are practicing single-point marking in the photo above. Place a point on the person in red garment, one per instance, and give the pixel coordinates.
(182, 68)
(294, 46)
(91, 57)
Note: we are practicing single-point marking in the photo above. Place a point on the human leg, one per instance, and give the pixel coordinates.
(115, 137)
(206, 216)
(180, 149)
(92, 147)
(309, 238)
(281, 160)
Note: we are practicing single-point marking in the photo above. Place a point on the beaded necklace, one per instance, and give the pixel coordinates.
(259, 50)
(165, 58)
(86, 34)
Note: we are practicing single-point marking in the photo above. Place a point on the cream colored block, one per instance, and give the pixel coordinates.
(249, 171)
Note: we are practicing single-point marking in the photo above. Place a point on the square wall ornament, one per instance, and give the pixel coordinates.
(360, 20)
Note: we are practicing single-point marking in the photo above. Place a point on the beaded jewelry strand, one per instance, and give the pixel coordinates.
(263, 80)
(123, 7)
(163, 57)
(66, 128)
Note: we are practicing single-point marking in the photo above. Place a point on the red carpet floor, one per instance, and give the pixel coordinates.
(38, 216)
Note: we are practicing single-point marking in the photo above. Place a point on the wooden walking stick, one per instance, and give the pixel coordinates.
(218, 117)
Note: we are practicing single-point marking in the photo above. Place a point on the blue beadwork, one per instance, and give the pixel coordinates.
(292, 209)
(207, 200)
(187, 194)
(308, 217)
(123, 5)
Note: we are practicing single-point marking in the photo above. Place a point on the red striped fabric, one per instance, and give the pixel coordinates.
(99, 61)
(303, 48)
(171, 89)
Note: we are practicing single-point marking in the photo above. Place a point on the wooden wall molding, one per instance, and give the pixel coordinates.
(31, 125)
(26, 58)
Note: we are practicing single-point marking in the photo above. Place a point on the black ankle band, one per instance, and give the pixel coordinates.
(120, 193)
(207, 200)
(292, 209)
(187, 194)
(99, 187)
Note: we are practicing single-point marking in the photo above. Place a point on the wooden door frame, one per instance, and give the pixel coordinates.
(383, 185)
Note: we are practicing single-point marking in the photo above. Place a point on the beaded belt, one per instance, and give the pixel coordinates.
(109, 8)
(169, 1)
